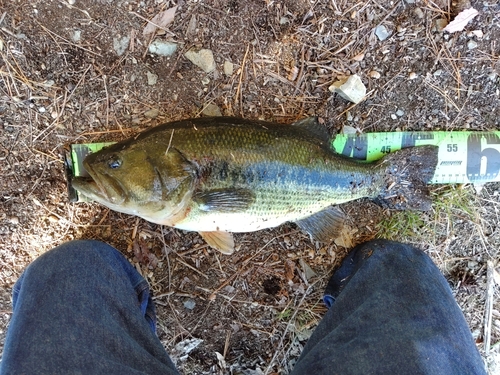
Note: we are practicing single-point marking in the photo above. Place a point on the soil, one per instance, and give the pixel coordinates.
(63, 81)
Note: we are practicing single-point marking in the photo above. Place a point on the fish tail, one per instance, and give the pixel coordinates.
(406, 174)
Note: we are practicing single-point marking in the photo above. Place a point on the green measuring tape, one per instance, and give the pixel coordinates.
(464, 157)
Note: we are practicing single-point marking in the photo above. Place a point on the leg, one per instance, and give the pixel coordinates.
(82, 308)
(394, 314)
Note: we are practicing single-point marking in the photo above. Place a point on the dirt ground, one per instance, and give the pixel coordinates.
(79, 71)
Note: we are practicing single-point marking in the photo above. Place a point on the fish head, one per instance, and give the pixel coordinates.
(138, 180)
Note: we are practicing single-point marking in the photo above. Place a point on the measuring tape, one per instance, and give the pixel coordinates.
(464, 157)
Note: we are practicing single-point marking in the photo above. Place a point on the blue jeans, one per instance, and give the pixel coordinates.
(82, 308)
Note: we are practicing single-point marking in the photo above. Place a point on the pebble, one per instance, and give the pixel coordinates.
(412, 75)
(152, 78)
(400, 112)
(211, 110)
(393, 116)
(418, 12)
(203, 58)
(163, 48)
(228, 68)
(437, 73)
(471, 44)
(492, 76)
(374, 74)
(152, 113)
(351, 89)
(381, 32)
(120, 45)
(77, 36)
(189, 304)
(13, 220)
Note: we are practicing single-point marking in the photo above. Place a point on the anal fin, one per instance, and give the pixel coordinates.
(222, 241)
(325, 225)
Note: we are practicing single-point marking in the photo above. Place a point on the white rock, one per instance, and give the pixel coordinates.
(394, 117)
(374, 74)
(228, 68)
(382, 33)
(77, 36)
(120, 45)
(203, 58)
(163, 48)
(351, 89)
(152, 78)
(412, 75)
(400, 112)
(478, 33)
(471, 44)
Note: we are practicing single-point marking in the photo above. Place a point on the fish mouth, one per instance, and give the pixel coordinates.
(99, 187)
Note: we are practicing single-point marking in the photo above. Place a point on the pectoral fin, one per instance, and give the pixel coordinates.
(325, 225)
(225, 200)
(222, 241)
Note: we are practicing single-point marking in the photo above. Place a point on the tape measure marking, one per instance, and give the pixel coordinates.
(463, 156)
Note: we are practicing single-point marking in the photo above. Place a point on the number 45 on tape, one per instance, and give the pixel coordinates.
(464, 157)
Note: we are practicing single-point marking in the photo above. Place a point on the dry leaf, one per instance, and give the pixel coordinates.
(162, 19)
(461, 20)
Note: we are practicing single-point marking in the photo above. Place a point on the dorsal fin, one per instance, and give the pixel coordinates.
(314, 128)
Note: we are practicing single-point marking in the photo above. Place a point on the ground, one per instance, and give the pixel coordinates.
(78, 71)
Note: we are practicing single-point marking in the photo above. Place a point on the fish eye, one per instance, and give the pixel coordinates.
(114, 162)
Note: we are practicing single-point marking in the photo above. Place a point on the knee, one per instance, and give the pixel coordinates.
(392, 251)
(73, 254)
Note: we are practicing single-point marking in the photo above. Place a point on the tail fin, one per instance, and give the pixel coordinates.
(407, 173)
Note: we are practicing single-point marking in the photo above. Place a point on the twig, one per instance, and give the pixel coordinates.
(239, 83)
(488, 309)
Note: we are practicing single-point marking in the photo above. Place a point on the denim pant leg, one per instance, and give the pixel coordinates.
(82, 308)
(395, 315)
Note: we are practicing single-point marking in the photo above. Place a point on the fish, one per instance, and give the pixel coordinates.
(224, 175)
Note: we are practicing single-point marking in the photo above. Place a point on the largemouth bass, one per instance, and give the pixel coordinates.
(222, 175)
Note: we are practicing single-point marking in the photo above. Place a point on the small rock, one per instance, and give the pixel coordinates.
(400, 112)
(152, 78)
(440, 24)
(152, 113)
(419, 13)
(77, 36)
(189, 304)
(471, 44)
(347, 129)
(412, 75)
(374, 74)
(410, 1)
(228, 68)
(351, 89)
(205, 81)
(349, 118)
(393, 116)
(437, 73)
(42, 109)
(211, 110)
(13, 220)
(382, 33)
(492, 76)
(163, 48)
(120, 45)
(478, 33)
(203, 58)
